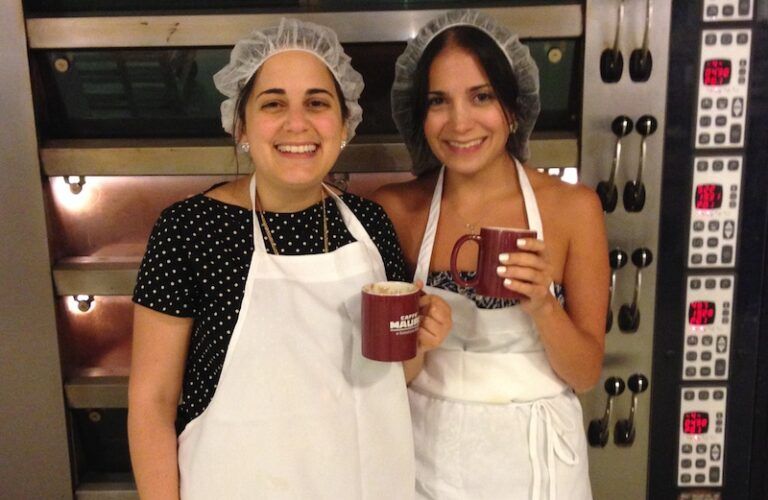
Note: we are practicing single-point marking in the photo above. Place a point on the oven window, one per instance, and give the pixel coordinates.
(94, 7)
(136, 93)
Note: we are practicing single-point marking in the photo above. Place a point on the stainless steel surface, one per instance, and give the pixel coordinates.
(111, 490)
(97, 392)
(622, 472)
(549, 21)
(95, 276)
(108, 157)
(35, 451)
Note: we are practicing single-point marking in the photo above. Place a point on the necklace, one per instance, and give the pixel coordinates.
(263, 221)
(471, 227)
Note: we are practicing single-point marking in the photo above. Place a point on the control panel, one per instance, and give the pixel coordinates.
(702, 436)
(723, 84)
(715, 203)
(709, 309)
(727, 10)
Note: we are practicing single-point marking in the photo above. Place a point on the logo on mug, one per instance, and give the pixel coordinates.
(407, 324)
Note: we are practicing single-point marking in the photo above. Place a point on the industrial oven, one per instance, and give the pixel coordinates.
(659, 105)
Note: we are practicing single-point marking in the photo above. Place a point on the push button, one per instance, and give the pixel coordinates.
(702, 165)
(743, 38)
(714, 475)
(696, 258)
(733, 165)
(717, 396)
(685, 478)
(729, 228)
(692, 340)
(710, 284)
(706, 356)
(713, 225)
(711, 258)
(721, 120)
(697, 242)
(690, 372)
(712, 11)
(736, 133)
(699, 478)
(687, 448)
(725, 283)
(701, 463)
(719, 139)
(689, 395)
(698, 225)
(727, 254)
(705, 371)
(726, 38)
(704, 138)
(712, 242)
(691, 356)
(696, 284)
(737, 109)
(703, 396)
(706, 103)
(720, 367)
(714, 452)
(701, 448)
(686, 463)
(728, 11)
(722, 102)
(705, 121)
(706, 340)
(722, 344)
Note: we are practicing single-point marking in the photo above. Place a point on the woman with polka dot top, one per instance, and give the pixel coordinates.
(247, 304)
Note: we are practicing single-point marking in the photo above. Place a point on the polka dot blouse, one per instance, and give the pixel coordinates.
(197, 262)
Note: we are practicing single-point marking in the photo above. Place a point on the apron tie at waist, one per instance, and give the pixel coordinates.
(542, 411)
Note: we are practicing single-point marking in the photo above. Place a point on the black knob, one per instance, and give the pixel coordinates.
(624, 433)
(608, 196)
(646, 125)
(642, 257)
(629, 318)
(597, 434)
(634, 196)
(617, 258)
(611, 66)
(621, 126)
(614, 386)
(640, 65)
(637, 383)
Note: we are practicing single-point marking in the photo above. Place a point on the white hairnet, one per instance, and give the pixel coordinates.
(291, 34)
(519, 57)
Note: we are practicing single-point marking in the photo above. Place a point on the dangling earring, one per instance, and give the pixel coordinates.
(343, 144)
(245, 147)
(513, 126)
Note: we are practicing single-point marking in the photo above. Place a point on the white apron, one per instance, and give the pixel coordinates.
(491, 418)
(298, 412)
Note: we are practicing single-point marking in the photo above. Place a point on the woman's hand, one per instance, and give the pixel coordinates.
(436, 320)
(529, 272)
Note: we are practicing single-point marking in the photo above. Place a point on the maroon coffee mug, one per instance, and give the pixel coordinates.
(491, 241)
(390, 320)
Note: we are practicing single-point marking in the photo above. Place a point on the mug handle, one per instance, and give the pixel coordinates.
(454, 256)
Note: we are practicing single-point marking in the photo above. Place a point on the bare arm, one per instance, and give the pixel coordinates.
(574, 337)
(160, 343)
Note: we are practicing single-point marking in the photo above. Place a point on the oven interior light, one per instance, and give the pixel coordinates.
(83, 302)
(75, 182)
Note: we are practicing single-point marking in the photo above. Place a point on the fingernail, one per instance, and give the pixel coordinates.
(501, 270)
(520, 242)
(503, 257)
(507, 281)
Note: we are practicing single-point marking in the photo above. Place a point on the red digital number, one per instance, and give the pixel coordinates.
(717, 72)
(701, 312)
(695, 422)
(709, 196)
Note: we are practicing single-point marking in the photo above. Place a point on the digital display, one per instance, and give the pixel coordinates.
(709, 196)
(717, 72)
(701, 312)
(695, 422)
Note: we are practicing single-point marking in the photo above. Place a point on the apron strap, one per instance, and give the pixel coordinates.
(542, 411)
(428, 241)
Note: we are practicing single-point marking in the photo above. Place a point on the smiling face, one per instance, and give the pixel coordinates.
(293, 121)
(465, 124)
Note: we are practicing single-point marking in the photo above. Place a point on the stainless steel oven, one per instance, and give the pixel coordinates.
(126, 121)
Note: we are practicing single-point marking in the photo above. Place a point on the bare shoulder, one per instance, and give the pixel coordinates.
(232, 193)
(402, 198)
(571, 203)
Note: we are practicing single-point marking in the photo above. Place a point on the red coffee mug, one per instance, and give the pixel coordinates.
(390, 320)
(491, 241)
